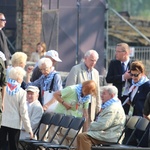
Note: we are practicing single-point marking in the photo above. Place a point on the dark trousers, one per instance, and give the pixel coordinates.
(13, 138)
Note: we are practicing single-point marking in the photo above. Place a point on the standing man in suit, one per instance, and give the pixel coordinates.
(3, 41)
(35, 110)
(83, 72)
(119, 72)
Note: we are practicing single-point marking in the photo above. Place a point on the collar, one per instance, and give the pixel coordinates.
(86, 68)
(30, 104)
(126, 62)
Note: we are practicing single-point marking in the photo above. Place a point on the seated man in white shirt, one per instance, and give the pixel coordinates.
(35, 110)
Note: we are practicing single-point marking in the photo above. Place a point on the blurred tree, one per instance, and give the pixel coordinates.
(138, 8)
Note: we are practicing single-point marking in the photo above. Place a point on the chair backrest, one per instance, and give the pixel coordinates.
(46, 119)
(54, 121)
(142, 125)
(129, 128)
(127, 119)
(64, 123)
(131, 123)
(76, 125)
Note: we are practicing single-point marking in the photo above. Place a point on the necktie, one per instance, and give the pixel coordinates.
(123, 68)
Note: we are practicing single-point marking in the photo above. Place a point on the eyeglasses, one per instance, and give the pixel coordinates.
(119, 51)
(135, 75)
(44, 69)
(2, 19)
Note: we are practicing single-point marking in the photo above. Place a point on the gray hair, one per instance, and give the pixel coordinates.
(91, 52)
(46, 61)
(16, 73)
(111, 89)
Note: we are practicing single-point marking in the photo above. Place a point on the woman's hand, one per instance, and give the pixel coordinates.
(31, 135)
(45, 107)
(68, 106)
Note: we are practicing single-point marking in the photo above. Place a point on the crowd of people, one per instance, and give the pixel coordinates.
(23, 100)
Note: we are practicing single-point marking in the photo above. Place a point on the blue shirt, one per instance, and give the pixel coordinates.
(57, 84)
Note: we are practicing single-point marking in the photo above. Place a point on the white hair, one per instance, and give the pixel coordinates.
(111, 89)
(46, 61)
(16, 73)
(91, 52)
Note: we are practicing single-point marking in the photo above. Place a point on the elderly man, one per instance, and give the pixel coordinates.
(109, 123)
(35, 110)
(83, 72)
(118, 72)
(3, 42)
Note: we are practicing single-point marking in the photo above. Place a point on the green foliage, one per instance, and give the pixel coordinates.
(138, 8)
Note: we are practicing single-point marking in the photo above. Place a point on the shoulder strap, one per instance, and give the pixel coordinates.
(51, 86)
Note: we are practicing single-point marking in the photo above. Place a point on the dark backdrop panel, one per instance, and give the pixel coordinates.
(91, 31)
(50, 29)
(85, 18)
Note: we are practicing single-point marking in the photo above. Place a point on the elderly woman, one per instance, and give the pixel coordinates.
(140, 87)
(18, 59)
(74, 100)
(138, 92)
(49, 82)
(15, 110)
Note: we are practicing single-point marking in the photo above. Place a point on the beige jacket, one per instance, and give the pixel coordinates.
(35, 111)
(15, 111)
(109, 124)
(78, 74)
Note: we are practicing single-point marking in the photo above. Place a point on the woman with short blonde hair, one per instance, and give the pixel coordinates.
(19, 59)
(15, 110)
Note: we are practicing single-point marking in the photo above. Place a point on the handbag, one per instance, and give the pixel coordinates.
(48, 95)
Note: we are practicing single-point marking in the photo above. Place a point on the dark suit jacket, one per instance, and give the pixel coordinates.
(139, 98)
(4, 47)
(36, 74)
(146, 110)
(114, 75)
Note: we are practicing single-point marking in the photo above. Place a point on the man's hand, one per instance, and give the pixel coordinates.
(127, 75)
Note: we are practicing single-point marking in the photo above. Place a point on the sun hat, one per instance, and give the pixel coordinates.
(54, 55)
(33, 89)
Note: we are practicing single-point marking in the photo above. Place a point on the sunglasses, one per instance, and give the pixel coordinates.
(2, 19)
(135, 75)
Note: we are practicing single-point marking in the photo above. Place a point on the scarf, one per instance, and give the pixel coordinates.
(47, 80)
(139, 83)
(134, 88)
(12, 87)
(79, 92)
(109, 102)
